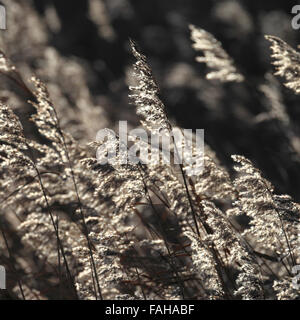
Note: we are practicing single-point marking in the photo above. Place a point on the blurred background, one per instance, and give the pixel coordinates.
(80, 49)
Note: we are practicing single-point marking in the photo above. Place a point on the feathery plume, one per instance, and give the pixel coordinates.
(215, 57)
(286, 62)
(146, 94)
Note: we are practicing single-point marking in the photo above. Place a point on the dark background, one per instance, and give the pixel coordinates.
(228, 112)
